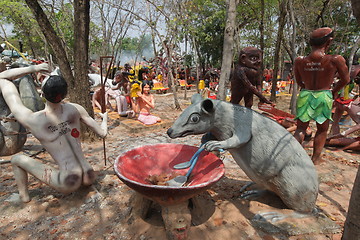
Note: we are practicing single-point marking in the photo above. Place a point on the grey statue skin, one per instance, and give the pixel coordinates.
(265, 151)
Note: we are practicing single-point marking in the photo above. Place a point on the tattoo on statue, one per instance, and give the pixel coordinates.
(63, 128)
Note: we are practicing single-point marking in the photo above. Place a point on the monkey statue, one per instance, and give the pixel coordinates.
(246, 77)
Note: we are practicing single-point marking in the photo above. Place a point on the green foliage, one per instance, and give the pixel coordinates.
(204, 22)
(188, 60)
(16, 13)
(95, 42)
(337, 15)
(200, 22)
(63, 20)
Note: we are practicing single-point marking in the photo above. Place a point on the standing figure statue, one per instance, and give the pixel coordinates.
(315, 75)
(246, 78)
(57, 127)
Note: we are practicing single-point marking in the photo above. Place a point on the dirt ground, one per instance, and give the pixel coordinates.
(106, 209)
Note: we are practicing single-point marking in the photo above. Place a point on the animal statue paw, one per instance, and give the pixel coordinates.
(214, 146)
(272, 217)
(243, 189)
(252, 194)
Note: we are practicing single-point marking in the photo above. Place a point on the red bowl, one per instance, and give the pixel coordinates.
(135, 166)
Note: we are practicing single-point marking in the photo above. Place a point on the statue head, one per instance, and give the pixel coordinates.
(146, 83)
(321, 36)
(55, 88)
(127, 66)
(177, 220)
(250, 57)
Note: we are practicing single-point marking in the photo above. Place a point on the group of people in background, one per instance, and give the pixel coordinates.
(131, 93)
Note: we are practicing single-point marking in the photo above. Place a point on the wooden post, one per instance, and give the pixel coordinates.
(103, 100)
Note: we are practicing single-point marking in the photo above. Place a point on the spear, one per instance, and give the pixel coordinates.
(103, 100)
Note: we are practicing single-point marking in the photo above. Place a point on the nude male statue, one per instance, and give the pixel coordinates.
(315, 75)
(57, 127)
(246, 78)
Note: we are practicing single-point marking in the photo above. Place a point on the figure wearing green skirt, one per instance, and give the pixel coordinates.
(315, 75)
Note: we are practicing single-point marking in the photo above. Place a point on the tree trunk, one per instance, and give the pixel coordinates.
(197, 62)
(353, 52)
(355, 4)
(78, 90)
(282, 18)
(168, 48)
(54, 40)
(81, 60)
(352, 223)
(293, 56)
(262, 38)
(227, 48)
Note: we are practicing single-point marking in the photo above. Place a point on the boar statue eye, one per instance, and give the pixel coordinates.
(194, 118)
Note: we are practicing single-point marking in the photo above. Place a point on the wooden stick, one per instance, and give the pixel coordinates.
(103, 100)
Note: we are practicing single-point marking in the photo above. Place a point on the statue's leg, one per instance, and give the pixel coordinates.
(319, 141)
(300, 131)
(124, 107)
(248, 98)
(353, 146)
(65, 182)
(339, 110)
(89, 175)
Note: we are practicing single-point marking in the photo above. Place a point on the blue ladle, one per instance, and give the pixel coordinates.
(179, 181)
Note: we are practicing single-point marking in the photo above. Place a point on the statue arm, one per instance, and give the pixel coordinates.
(239, 138)
(297, 73)
(343, 72)
(252, 88)
(12, 99)
(89, 121)
(151, 103)
(14, 73)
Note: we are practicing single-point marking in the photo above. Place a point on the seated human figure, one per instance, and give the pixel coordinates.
(145, 101)
(97, 99)
(352, 107)
(120, 91)
(57, 127)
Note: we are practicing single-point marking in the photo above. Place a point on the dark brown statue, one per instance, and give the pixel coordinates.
(246, 77)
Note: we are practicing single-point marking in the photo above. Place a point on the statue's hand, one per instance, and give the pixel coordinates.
(104, 123)
(214, 145)
(104, 115)
(43, 67)
(270, 102)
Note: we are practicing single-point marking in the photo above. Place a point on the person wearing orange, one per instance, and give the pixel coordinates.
(315, 75)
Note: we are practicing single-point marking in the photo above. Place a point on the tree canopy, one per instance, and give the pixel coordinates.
(129, 25)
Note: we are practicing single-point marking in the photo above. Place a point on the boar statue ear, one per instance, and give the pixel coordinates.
(196, 98)
(207, 106)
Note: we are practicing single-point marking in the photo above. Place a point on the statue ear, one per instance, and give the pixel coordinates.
(207, 106)
(196, 98)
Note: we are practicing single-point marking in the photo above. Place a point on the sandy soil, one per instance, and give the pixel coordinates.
(106, 210)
